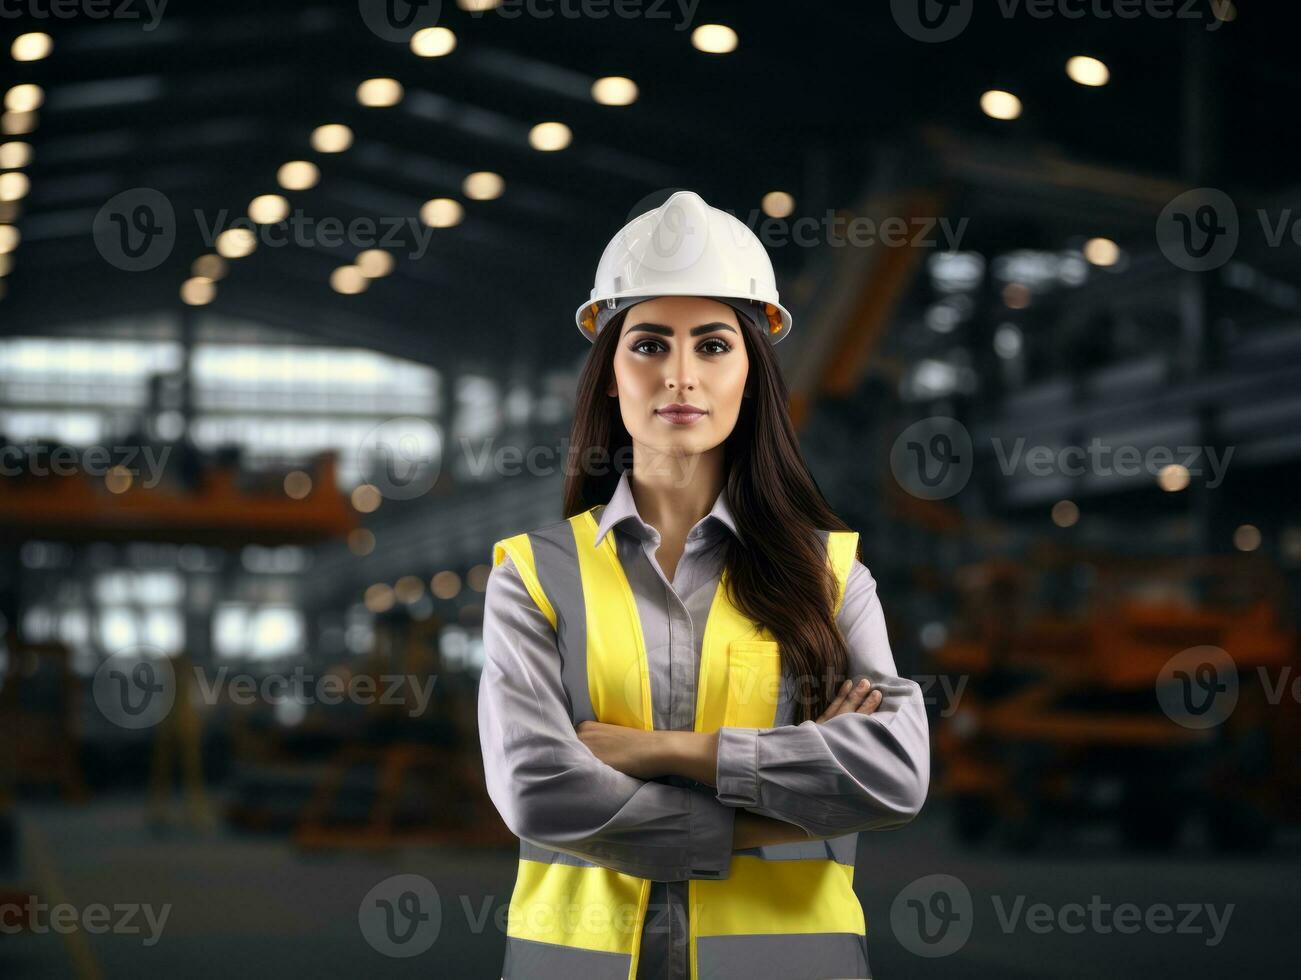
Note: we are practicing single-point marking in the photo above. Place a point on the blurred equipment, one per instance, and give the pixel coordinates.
(39, 702)
(1059, 719)
(178, 751)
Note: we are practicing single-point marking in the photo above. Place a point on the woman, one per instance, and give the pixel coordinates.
(668, 708)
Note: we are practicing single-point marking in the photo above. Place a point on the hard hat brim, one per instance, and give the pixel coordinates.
(586, 315)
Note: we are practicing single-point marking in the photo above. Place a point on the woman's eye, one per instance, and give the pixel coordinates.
(714, 345)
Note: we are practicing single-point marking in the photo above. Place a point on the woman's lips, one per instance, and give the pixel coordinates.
(681, 418)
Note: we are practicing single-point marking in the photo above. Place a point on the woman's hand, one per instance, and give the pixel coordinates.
(860, 699)
(656, 753)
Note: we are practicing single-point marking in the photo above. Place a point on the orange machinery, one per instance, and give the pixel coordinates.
(1059, 716)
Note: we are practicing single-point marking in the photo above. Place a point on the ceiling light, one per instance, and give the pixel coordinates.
(13, 185)
(714, 38)
(777, 204)
(24, 98)
(483, 185)
(614, 90)
(268, 209)
(375, 263)
(235, 243)
(1101, 251)
(550, 136)
(1246, 537)
(348, 279)
(198, 291)
(298, 175)
(441, 212)
(1173, 477)
(9, 238)
(17, 123)
(998, 104)
(15, 155)
(433, 42)
(379, 93)
(1088, 71)
(209, 267)
(1066, 513)
(31, 47)
(331, 138)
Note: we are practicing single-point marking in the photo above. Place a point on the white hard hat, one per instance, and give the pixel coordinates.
(685, 248)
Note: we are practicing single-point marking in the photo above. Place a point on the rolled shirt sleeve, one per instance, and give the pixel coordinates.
(549, 786)
(854, 772)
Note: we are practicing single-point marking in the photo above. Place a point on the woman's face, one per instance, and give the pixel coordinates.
(680, 350)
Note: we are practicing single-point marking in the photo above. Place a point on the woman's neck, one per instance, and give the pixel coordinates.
(672, 493)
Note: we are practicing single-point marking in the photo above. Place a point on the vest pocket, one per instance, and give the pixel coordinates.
(753, 683)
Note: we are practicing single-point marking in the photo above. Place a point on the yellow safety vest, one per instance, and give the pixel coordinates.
(589, 913)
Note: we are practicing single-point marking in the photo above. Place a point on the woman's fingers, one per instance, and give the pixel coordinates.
(860, 691)
(853, 696)
(833, 708)
(870, 703)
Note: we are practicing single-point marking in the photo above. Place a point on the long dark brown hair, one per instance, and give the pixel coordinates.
(779, 577)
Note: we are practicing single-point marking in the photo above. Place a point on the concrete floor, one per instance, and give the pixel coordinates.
(255, 909)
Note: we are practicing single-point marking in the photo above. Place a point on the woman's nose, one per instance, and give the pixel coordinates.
(680, 374)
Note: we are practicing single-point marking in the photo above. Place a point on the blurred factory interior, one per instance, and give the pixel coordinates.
(286, 342)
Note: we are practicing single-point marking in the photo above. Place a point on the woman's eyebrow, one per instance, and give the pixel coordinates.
(664, 331)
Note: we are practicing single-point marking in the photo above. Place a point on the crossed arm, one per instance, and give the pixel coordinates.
(647, 755)
(590, 792)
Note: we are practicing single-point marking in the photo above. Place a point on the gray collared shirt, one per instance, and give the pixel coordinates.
(853, 773)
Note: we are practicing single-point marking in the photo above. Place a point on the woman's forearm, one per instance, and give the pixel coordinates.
(690, 754)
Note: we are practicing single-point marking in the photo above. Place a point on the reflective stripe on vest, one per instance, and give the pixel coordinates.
(786, 910)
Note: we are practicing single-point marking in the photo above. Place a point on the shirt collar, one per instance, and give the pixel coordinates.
(623, 508)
